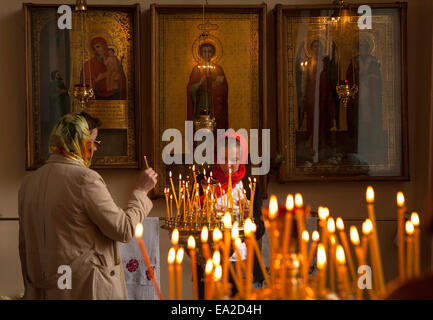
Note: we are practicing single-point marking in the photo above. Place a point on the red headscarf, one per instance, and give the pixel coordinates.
(102, 42)
(237, 176)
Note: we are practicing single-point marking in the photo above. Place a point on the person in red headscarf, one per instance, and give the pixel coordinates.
(231, 152)
(96, 74)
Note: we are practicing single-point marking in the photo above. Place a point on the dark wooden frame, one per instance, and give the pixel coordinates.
(280, 11)
(138, 117)
(155, 10)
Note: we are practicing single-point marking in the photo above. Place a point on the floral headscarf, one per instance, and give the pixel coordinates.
(70, 138)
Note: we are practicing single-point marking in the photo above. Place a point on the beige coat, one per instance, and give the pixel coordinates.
(68, 217)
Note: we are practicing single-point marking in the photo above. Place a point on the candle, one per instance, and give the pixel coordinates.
(227, 222)
(315, 237)
(272, 213)
(290, 204)
(170, 259)
(217, 278)
(171, 206)
(172, 188)
(259, 256)
(138, 234)
(237, 244)
(400, 233)
(180, 190)
(304, 265)
(217, 237)
(321, 265)
(332, 241)
(342, 273)
(409, 247)
(323, 224)
(191, 247)
(340, 226)
(179, 258)
(145, 160)
(375, 249)
(216, 258)
(204, 238)
(253, 191)
(354, 238)
(209, 283)
(166, 192)
(248, 230)
(299, 213)
(366, 235)
(414, 218)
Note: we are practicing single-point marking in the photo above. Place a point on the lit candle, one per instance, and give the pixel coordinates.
(340, 226)
(367, 227)
(304, 262)
(272, 213)
(175, 237)
(217, 279)
(400, 233)
(227, 222)
(166, 192)
(259, 256)
(229, 190)
(251, 208)
(209, 283)
(237, 244)
(179, 259)
(321, 265)
(375, 249)
(315, 237)
(171, 206)
(342, 273)
(323, 213)
(299, 213)
(354, 238)
(204, 238)
(138, 234)
(172, 188)
(290, 204)
(170, 259)
(409, 249)
(180, 190)
(191, 247)
(332, 241)
(248, 230)
(414, 218)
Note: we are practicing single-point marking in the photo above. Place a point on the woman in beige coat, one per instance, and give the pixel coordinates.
(69, 221)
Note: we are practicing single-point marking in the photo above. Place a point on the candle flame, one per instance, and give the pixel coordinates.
(204, 234)
(230, 171)
(341, 258)
(414, 218)
(216, 258)
(248, 227)
(235, 230)
(218, 273)
(331, 225)
(316, 236)
(340, 224)
(305, 236)
(191, 243)
(273, 207)
(171, 256)
(409, 228)
(299, 202)
(171, 197)
(290, 202)
(179, 255)
(180, 176)
(217, 235)
(321, 256)
(367, 226)
(175, 237)
(169, 174)
(138, 230)
(369, 194)
(354, 236)
(238, 242)
(227, 220)
(209, 266)
(193, 167)
(400, 199)
(323, 213)
(332, 239)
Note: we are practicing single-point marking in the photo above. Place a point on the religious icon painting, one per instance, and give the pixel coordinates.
(342, 93)
(207, 60)
(100, 51)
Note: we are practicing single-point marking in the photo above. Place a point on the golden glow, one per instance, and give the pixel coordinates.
(414, 218)
(321, 256)
(367, 226)
(179, 255)
(354, 236)
(248, 227)
(218, 273)
(316, 236)
(217, 235)
(331, 225)
(175, 237)
(340, 224)
(290, 202)
(171, 256)
(369, 194)
(400, 199)
(209, 267)
(305, 236)
(409, 228)
(323, 213)
(273, 207)
(299, 202)
(341, 258)
(235, 230)
(204, 234)
(332, 239)
(216, 258)
(227, 220)
(138, 230)
(238, 242)
(191, 243)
